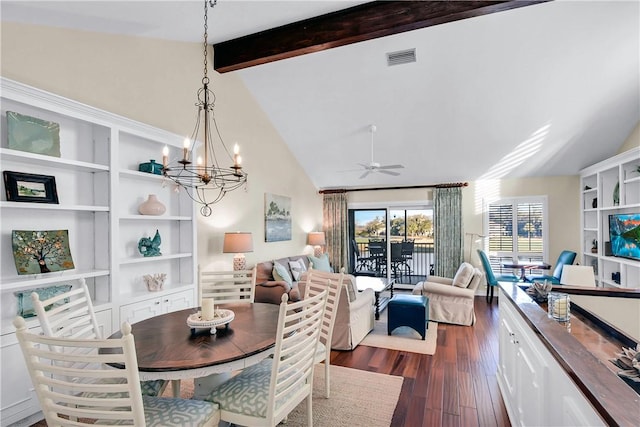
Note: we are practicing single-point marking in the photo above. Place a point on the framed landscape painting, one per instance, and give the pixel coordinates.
(277, 218)
(28, 187)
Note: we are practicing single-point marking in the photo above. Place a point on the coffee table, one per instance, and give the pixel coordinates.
(379, 285)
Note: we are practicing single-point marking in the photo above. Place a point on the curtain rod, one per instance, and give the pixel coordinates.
(410, 187)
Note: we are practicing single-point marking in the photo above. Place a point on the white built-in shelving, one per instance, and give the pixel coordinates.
(597, 187)
(99, 189)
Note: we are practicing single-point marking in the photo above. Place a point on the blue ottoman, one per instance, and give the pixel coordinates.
(408, 310)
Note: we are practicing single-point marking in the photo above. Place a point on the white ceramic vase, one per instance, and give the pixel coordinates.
(152, 206)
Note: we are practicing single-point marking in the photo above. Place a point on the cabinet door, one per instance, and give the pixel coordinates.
(530, 385)
(18, 399)
(507, 363)
(142, 310)
(177, 301)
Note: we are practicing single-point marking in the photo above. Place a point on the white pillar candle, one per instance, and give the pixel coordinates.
(207, 309)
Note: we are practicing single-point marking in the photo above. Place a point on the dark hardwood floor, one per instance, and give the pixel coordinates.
(457, 386)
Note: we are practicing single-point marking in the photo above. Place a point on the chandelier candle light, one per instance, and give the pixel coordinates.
(206, 182)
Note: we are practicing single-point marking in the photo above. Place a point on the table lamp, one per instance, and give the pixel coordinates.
(317, 240)
(238, 243)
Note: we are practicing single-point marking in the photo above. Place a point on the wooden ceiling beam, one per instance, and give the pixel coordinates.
(359, 23)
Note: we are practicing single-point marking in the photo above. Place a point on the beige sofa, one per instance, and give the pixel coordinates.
(451, 300)
(355, 311)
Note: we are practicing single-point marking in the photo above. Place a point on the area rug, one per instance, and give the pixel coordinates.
(358, 398)
(402, 338)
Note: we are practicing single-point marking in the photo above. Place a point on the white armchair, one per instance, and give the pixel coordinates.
(451, 300)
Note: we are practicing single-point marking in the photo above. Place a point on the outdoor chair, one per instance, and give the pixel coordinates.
(314, 284)
(362, 263)
(224, 287)
(565, 258)
(72, 316)
(378, 253)
(492, 279)
(399, 263)
(264, 394)
(72, 394)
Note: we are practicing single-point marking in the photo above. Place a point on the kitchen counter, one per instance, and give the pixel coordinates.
(583, 349)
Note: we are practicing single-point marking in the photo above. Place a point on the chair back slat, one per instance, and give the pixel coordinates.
(236, 286)
(75, 395)
(71, 314)
(314, 283)
(299, 326)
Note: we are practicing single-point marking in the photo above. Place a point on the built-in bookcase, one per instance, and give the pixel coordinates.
(99, 190)
(609, 187)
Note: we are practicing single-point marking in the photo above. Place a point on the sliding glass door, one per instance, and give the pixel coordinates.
(391, 242)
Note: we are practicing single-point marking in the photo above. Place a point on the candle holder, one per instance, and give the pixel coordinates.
(559, 306)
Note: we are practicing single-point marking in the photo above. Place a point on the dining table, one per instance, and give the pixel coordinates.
(167, 348)
(526, 265)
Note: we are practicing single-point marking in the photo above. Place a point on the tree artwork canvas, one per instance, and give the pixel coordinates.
(37, 252)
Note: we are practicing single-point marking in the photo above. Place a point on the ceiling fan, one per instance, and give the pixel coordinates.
(375, 166)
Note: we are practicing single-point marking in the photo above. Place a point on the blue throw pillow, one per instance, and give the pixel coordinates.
(321, 263)
(280, 272)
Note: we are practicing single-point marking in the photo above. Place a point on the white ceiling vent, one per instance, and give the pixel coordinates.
(401, 57)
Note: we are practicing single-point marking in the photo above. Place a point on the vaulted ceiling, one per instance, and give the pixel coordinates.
(541, 90)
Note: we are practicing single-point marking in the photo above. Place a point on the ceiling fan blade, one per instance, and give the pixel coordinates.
(391, 167)
(364, 175)
(388, 172)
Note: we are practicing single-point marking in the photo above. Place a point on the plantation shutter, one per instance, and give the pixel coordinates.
(516, 231)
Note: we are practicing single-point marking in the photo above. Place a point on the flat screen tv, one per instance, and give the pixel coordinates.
(624, 232)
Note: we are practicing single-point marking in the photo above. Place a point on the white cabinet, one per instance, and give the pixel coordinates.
(99, 189)
(535, 389)
(145, 309)
(606, 188)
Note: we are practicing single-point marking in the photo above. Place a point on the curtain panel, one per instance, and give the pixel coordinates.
(335, 225)
(447, 218)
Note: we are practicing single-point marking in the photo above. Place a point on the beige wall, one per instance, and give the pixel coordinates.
(562, 196)
(155, 82)
(633, 141)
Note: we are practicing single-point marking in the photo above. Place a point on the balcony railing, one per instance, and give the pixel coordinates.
(411, 269)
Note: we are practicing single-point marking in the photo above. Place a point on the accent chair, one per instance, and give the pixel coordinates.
(492, 279)
(565, 258)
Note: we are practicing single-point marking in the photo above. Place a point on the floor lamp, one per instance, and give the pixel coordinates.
(472, 241)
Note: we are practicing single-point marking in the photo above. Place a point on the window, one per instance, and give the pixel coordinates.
(516, 230)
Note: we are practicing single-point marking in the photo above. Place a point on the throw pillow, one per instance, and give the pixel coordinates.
(280, 273)
(463, 275)
(297, 268)
(321, 263)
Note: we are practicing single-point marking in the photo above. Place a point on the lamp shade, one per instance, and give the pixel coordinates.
(237, 242)
(578, 275)
(316, 238)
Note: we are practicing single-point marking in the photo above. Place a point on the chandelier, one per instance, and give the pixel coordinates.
(205, 180)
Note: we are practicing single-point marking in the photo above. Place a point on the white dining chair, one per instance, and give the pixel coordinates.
(71, 394)
(71, 315)
(237, 286)
(315, 282)
(265, 393)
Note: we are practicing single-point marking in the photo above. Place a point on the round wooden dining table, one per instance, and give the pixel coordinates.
(167, 349)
